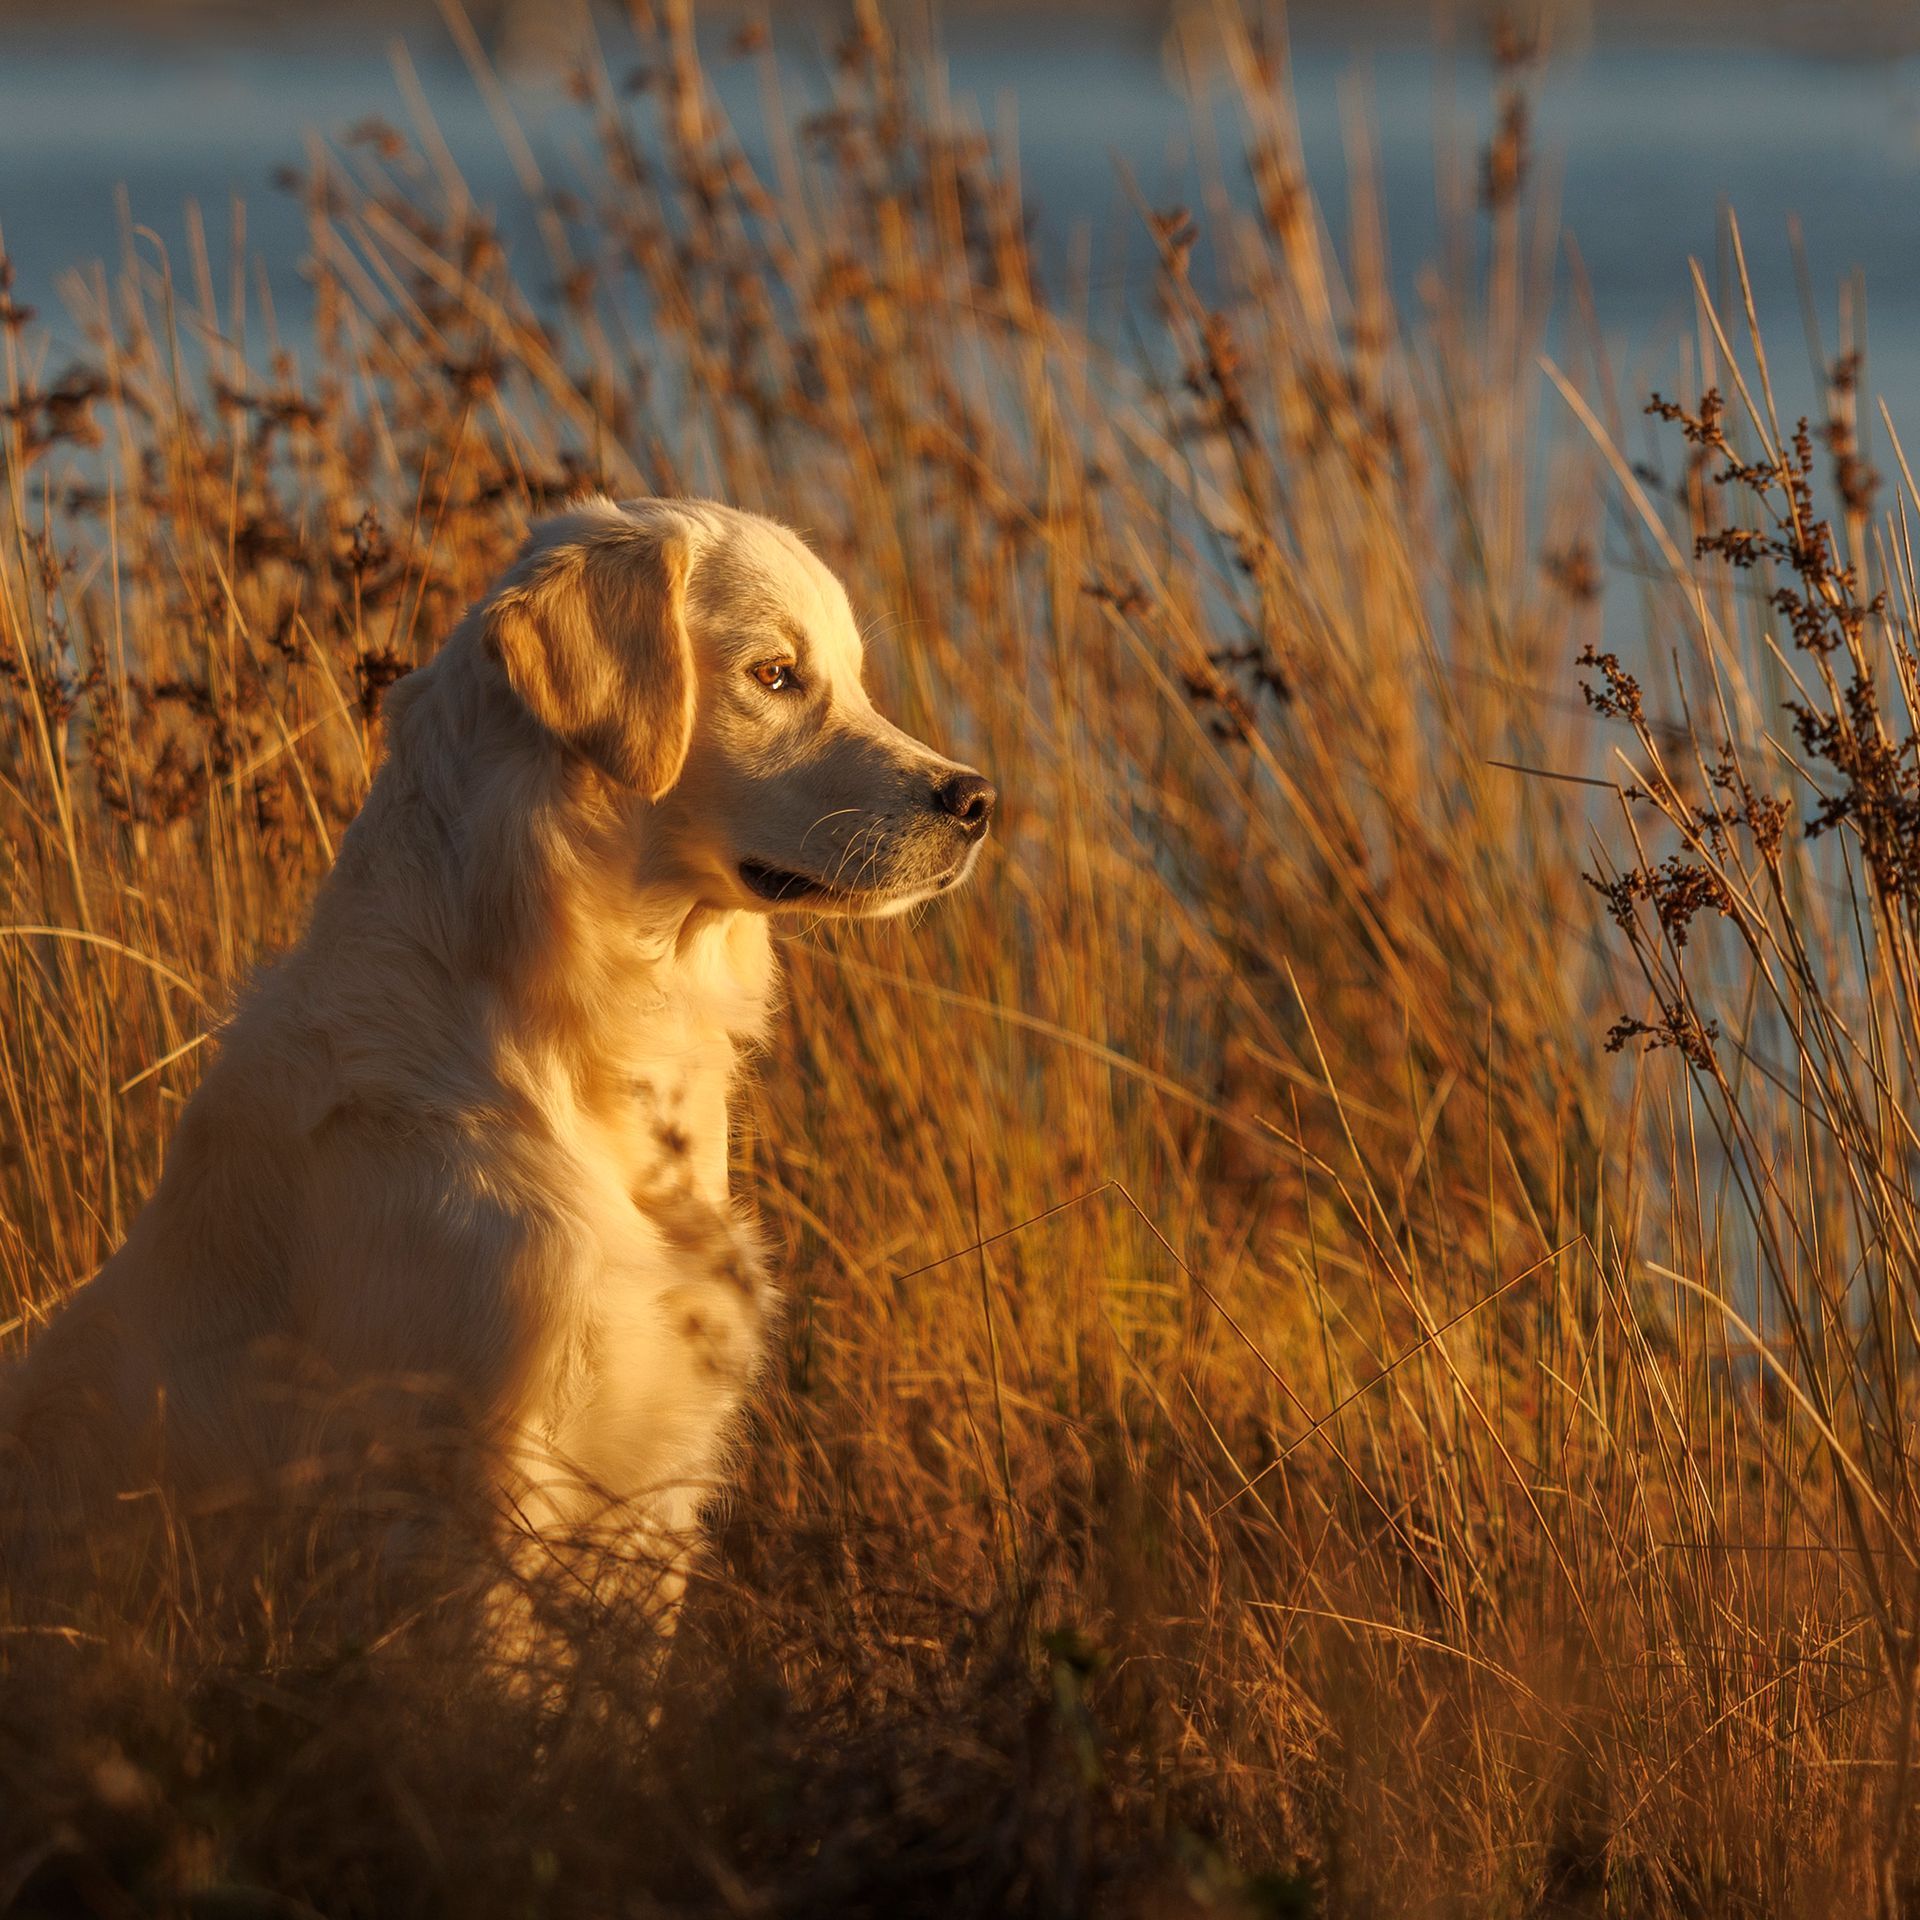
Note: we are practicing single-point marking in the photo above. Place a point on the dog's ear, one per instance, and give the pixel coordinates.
(591, 628)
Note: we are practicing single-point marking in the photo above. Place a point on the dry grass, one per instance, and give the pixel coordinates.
(1276, 1417)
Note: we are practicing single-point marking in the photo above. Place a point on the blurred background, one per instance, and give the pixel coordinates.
(1650, 120)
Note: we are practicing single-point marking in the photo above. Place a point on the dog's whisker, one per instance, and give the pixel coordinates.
(837, 813)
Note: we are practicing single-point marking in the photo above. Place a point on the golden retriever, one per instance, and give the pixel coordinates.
(462, 1158)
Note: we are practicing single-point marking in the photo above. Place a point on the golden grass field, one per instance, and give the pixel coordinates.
(1353, 1299)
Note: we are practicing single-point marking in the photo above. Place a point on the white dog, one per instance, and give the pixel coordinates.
(462, 1156)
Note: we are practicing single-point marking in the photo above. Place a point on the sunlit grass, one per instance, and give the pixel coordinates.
(1262, 1417)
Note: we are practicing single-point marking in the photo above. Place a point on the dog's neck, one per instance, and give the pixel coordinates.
(562, 975)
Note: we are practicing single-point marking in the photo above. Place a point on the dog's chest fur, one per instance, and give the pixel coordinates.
(651, 1351)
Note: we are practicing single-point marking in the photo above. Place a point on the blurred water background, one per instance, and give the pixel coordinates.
(1651, 120)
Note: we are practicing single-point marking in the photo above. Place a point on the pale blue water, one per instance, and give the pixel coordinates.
(1650, 145)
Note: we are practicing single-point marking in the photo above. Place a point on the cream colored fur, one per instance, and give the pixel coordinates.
(461, 1163)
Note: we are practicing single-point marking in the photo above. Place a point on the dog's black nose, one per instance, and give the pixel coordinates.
(967, 798)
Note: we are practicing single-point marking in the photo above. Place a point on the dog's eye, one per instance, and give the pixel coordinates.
(777, 676)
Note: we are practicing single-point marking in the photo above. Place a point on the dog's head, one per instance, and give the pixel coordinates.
(706, 663)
